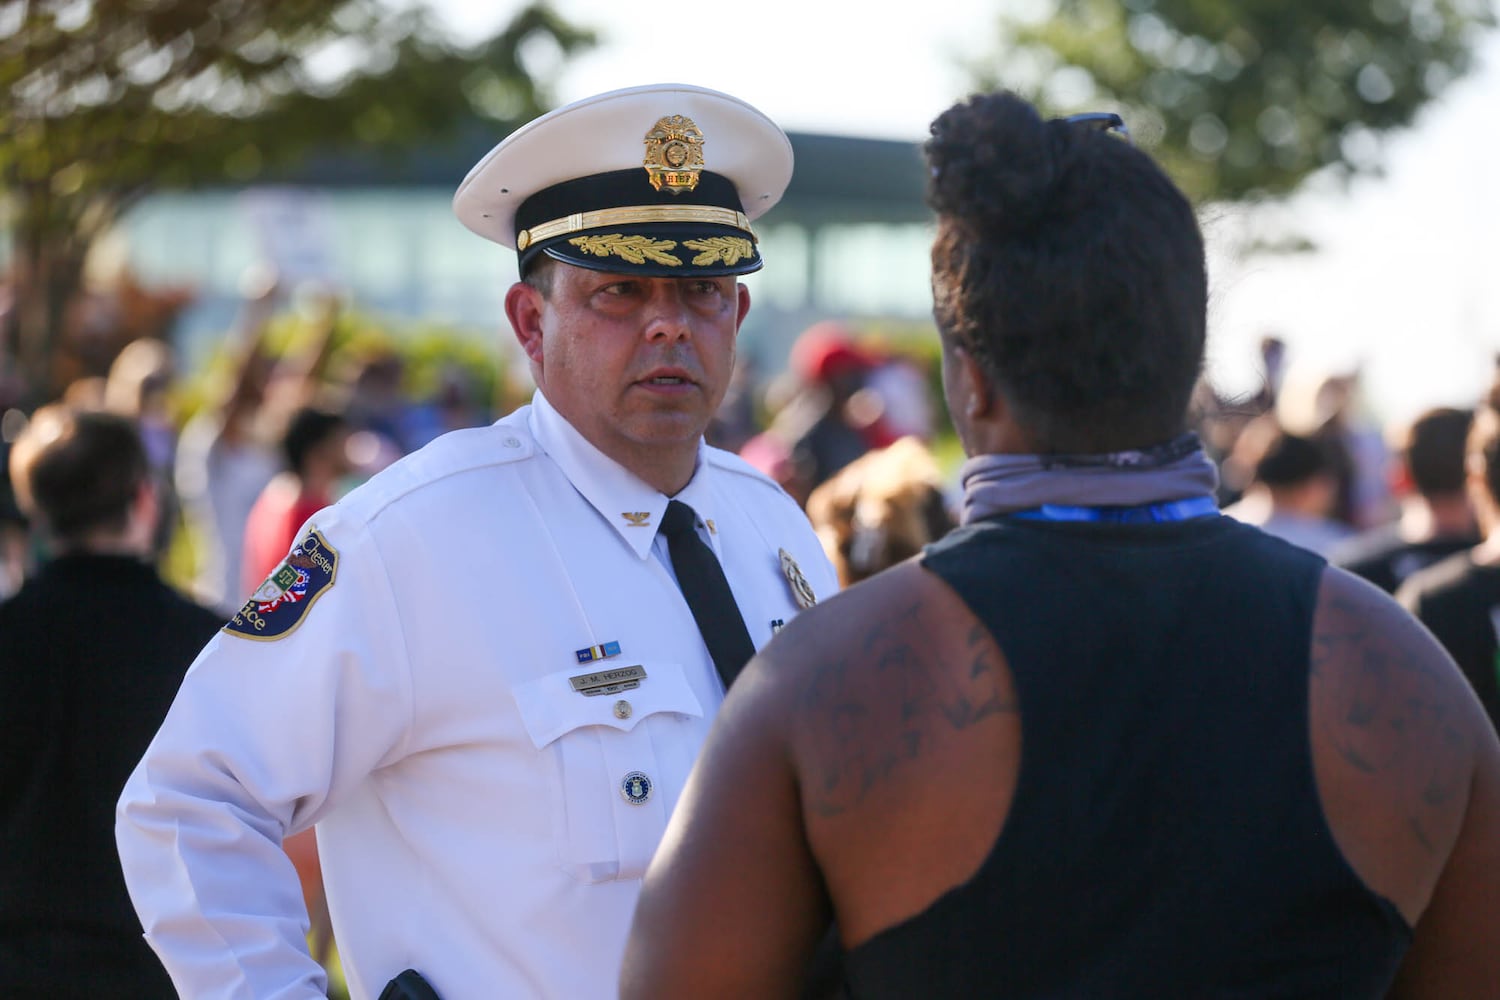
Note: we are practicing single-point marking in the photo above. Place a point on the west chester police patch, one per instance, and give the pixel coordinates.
(278, 606)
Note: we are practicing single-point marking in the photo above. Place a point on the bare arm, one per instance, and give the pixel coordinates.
(1408, 770)
(297, 376)
(248, 349)
(1455, 951)
(736, 907)
(306, 369)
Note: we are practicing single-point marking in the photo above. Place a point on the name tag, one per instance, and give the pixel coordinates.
(608, 681)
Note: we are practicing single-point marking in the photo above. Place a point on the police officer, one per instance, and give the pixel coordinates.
(485, 674)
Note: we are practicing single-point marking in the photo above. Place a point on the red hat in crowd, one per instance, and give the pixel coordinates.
(827, 349)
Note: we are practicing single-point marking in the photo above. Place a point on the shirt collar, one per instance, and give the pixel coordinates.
(634, 508)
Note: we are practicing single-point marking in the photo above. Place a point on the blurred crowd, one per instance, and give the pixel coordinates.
(852, 428)
(286, 417)
(284, 423)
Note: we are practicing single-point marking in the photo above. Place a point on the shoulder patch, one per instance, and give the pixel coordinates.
(278, 606)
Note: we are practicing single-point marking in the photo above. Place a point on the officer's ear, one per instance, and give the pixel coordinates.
(744, 303)
(523, 307)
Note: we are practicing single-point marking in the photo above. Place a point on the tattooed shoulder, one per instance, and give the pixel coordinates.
(909, 675)
(1388, 704)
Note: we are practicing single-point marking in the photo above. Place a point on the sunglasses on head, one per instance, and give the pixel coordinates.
(1103, 121)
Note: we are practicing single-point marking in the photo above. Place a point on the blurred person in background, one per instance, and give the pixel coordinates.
(1291, 486)
(315, 459)
(1100, 740)
(228, 451)
(736, 421)
(769, 450)
(455, 403)
(902, 385)
(1218, 420)
(1272, 353)
(92, 650)
(847, 417)
(378, 402)
(824, 413)
(1436, 517)
(1327, 408)
(111, 308)
(15, 532)
(15, 535)
(85, 393)
(139, 386)
(1458, 598)
(880, 509)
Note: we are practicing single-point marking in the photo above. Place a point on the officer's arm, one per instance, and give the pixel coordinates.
(264, 735)
(732, 905)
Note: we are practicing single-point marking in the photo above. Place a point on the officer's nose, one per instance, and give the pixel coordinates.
(669, 317)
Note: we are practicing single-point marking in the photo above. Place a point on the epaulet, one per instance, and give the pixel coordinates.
(502, 443)
(730, 462)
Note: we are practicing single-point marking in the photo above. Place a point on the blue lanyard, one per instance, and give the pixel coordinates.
(1171, 510)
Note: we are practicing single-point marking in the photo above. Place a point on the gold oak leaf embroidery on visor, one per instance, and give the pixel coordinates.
(635, 249)
(730, 249)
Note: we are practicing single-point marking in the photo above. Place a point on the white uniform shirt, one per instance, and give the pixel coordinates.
(472, 813)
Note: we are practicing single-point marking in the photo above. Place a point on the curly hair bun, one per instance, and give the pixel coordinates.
(993, 163)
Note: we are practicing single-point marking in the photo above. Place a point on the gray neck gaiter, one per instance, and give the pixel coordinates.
(1001, 484)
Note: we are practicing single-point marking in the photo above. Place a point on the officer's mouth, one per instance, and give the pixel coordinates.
(668, 381)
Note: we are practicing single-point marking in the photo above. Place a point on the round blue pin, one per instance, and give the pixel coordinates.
(636, 788)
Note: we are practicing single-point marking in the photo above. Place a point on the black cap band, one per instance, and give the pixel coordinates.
(617, 221)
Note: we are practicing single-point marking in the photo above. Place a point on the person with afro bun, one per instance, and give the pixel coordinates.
(1100, 740)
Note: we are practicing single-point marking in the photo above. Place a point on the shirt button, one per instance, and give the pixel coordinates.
(512, 442)
(622, 709)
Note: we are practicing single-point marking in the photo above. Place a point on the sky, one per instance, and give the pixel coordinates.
(1398, 286)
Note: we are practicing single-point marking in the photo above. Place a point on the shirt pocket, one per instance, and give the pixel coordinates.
(617, 763)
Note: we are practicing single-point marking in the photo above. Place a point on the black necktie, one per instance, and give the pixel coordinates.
(707, 592)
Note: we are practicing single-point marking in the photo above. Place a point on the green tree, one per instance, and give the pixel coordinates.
(1243, 99)
(107, 100)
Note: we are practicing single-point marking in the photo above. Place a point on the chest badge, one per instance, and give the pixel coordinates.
(637, 518)
(802, 591)
(636, 787)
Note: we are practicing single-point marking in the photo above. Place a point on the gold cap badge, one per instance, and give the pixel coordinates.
(674, 154)
(802, 591)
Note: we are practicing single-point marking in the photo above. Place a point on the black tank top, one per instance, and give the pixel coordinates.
(1166, 837)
